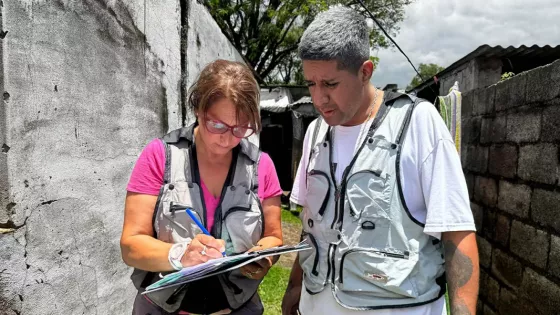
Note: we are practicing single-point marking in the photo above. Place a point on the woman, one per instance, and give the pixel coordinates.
(211, 168)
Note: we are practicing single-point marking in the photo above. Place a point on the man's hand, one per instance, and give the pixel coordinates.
(259, 268)
(462, 270)
(290, 302)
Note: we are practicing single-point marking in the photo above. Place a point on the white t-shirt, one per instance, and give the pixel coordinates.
(433, 184)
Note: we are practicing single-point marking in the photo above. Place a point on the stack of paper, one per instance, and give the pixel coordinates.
(220, 265)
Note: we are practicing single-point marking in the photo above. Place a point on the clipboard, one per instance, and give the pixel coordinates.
(220, 265)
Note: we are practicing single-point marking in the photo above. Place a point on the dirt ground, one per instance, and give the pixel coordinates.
(291, 234)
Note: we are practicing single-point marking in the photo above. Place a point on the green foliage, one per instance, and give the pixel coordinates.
(267, 33)
(427, 71)
(507, 75)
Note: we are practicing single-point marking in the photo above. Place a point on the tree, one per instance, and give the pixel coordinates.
(427, 71)
(267, 33)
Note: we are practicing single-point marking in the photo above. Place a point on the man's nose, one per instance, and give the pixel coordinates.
(321, 96)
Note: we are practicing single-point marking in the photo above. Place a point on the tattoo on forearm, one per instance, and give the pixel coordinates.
(459, 269)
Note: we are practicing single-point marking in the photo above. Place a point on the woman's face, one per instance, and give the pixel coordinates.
(221, 111)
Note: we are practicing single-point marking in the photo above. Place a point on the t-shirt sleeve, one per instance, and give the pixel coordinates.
(299, 189)
(147, 174)
(269, 185)
(445, 191)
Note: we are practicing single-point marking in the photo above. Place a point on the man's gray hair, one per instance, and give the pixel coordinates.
(340, 34)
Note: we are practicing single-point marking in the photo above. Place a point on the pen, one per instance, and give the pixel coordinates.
(204, 230)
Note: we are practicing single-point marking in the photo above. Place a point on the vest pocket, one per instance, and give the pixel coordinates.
(243, 229)
(368, 194)
(377, 273)
(180, 224)
(318, 192)
(309, 261)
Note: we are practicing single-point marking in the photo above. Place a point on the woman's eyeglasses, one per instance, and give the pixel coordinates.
(219, 127)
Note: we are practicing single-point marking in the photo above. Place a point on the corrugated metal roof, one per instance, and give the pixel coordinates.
(547, 53)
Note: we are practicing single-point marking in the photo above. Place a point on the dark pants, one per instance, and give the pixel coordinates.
(144, 307)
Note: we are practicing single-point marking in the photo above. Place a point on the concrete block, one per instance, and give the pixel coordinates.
(554, 258)
(514, 199)
(467, 103)
(484, 101)
(484, 252)
(477, 159)
(544, 293)
(493, 289)
(524, 126)
(510, 303)
(478, 216)
(489, 224)
(551, 122)
(502, 160)
(506, 268)
(502, 230)
(529, 243)
(471, 130)
(543, 83)
(493, 130)
(538, 163)
(544, 208)
(486, 191)
(511, 92)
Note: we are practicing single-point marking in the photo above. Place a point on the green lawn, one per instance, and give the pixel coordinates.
(290, 217)
(272, 289)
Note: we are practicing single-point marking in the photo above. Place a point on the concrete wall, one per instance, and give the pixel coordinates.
(477, 73)
(86, 84)
(511, 133)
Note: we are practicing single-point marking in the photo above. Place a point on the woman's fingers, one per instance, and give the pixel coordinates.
(209, 241)
(198, 253)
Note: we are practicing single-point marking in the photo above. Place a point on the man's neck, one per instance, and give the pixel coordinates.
(369, 107)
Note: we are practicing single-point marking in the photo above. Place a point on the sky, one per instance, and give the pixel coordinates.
(444, 31)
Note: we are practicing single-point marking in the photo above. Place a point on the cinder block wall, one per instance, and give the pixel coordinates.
(511, 138)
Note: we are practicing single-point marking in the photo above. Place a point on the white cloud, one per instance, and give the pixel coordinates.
(443, 31)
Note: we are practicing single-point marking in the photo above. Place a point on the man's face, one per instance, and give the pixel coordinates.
(337, 94)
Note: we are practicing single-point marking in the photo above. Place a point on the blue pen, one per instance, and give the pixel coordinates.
(204, 230)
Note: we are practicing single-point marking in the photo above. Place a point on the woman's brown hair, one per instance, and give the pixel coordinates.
(231, 80)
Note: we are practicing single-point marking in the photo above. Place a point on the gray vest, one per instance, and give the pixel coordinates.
(238, 220)
(368, 247)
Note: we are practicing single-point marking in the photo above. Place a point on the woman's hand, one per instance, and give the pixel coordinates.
(258, 269)
(203, 248)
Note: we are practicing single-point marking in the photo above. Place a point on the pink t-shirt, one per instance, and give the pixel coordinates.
(147, 178)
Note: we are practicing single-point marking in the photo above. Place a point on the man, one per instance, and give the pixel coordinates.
(386, 207)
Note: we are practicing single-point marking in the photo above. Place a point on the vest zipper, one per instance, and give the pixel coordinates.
(316, 259)
(326, 199)
(235, 209)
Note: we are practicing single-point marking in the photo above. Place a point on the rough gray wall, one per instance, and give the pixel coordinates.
(511, 132)
(86, 84)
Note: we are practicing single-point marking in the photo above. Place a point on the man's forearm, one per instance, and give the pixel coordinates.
(462, 269)
(296, 275)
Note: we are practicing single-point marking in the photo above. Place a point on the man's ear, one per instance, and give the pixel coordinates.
(366, 71)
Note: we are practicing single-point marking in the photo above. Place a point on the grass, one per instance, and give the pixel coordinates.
(290, 217)
(272, 289)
